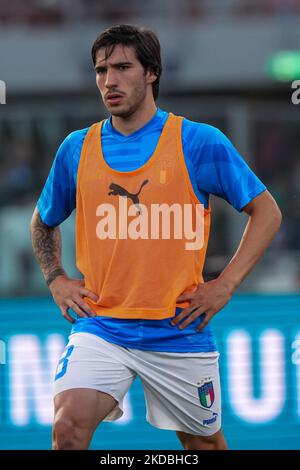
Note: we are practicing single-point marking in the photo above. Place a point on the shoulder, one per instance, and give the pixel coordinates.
(75, 138)
(201, 134)
(71, 146)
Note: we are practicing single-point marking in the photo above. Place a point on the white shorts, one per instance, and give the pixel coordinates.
(182, 390)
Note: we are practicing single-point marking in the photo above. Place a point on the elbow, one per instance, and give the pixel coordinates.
(276, 218)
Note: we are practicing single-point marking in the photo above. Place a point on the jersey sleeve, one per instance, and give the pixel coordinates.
(219, 168)
(58, 197)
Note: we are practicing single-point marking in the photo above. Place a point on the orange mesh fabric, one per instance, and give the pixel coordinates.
(126, 254)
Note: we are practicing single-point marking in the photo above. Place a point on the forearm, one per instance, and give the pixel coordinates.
(46, 243)
(261, 228)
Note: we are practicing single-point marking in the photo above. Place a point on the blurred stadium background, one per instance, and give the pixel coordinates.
(229, 63)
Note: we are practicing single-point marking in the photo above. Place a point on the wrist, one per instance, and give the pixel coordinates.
(229, 283)
(54, 274)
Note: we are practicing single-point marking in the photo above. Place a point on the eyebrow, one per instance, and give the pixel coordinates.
(117, 64)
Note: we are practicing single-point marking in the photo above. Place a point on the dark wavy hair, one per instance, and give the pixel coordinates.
(144, 42)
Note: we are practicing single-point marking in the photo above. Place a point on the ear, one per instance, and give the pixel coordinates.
(150, 76)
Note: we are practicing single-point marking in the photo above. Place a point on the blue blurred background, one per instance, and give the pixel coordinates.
(259, 343)
(229, 63)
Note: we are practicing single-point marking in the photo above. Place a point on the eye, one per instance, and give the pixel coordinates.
(123, 67)
(100, 71)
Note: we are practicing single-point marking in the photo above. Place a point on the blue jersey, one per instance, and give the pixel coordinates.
(214, 166)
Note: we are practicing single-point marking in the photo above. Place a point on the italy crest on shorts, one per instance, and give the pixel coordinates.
(206, 394)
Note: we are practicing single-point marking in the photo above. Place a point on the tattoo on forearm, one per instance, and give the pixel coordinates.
(46, 243)
(57, 272)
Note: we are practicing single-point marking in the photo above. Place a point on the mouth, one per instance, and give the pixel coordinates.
(114, 98)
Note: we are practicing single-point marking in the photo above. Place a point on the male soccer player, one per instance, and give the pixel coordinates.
(140, 181)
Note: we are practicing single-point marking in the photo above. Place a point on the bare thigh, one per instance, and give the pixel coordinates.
(77, 413)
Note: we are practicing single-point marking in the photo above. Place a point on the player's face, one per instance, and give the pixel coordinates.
(122, 81)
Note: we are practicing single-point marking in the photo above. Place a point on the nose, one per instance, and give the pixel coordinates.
(111, 79)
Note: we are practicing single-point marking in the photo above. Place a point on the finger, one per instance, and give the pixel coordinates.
(84, 307)
(190, 295)
(185, 312)
(204, 323)
(184, 297)
(77, 309)
(88, 293)
(195, 314)
(67, 316)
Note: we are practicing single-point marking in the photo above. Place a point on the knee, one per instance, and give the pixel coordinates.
(66, 435)
(192, 442)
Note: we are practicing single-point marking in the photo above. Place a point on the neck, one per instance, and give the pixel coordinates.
(137, 120)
